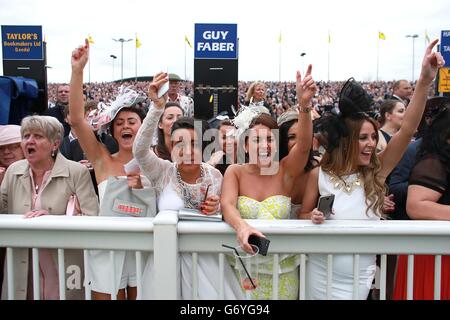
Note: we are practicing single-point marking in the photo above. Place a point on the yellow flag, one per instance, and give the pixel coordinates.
(187, 41)
(90, 40)
(381, 35)
(138, 42)
(279, 38)
(427, 37)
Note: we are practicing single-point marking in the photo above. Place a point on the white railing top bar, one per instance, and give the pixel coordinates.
(76, 223)
(87, 232)
(354, 227)
(302, 236)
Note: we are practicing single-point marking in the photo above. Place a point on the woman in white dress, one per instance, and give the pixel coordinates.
(353, 171)
(177, 188)
(124, 120)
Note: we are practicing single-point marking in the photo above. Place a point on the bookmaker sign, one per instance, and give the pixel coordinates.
(22, 43)
(215, 41)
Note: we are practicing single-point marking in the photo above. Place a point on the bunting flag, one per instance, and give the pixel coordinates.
(427, 37)
(90, 40)
(279, 38)
(138, 42)
(187, 41)
(381, 35)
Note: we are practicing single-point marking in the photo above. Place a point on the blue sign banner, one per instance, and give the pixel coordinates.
(445, 46)
(215, 41)
(22, 43)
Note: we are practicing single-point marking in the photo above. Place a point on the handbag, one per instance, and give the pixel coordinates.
(122, 201)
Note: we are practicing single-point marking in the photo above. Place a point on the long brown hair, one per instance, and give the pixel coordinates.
(342, 161)
(161, 148)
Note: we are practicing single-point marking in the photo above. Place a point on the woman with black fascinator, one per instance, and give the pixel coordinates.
(353, 171)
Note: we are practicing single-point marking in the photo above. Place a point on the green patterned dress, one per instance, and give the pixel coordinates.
(272, 208)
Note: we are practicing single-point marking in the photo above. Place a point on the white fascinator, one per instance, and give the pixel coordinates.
(106, 112)
(246, 114)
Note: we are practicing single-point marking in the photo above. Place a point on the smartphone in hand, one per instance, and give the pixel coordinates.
(163, 90)
(260, 242)
(325, 205)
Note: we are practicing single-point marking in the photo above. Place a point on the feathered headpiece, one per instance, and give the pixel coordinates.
(126, 97)
(245, 116)
(354, 103)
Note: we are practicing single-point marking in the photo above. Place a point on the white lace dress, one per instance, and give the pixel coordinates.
(163, 175)
(347, 206)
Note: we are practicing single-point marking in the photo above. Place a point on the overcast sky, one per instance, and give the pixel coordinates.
(161, 27)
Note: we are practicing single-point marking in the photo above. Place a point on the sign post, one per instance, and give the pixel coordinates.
(24, 56)
(444, 72)
(22, 43)
(215, 70)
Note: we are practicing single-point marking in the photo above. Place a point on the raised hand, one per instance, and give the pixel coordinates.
(306, 87)
(158, 80)
(80, 56)
(431, 62)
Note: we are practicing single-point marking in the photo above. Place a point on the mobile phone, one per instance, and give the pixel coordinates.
(260, 242)
(325, 205)
(163, 90)
(165, 87)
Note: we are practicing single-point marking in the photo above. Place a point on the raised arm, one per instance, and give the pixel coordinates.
(295, 161)
(93, 149)
(152, 166)
(231, 215)
(309, 202)
(389, 158)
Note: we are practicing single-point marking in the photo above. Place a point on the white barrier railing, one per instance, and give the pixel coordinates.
(167, 237)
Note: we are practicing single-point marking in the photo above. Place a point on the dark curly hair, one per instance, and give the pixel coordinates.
(436, 139)
(283, 148)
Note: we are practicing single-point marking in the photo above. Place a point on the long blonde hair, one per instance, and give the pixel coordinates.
(342, 161)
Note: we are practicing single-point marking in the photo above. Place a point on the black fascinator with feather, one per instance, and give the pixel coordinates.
(354, 103)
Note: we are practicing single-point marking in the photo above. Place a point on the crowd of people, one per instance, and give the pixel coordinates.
(379, 148)
(277, 96)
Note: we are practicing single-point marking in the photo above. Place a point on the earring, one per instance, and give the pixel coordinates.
(53, 153)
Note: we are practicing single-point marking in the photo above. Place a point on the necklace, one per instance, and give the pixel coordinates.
(191, 198)
(346, 186)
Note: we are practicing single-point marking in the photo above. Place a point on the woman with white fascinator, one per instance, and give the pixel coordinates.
(123, 120)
